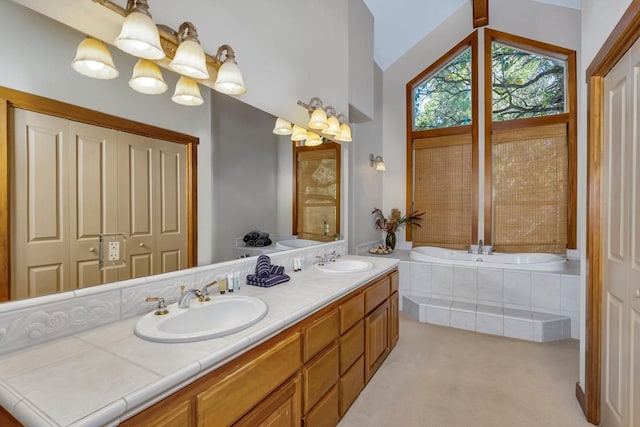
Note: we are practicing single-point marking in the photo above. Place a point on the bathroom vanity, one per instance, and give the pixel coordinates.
(304, 364)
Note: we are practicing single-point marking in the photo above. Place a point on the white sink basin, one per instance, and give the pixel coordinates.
(345, 266)
(223, 315)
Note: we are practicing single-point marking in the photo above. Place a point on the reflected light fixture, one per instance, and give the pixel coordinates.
(299, 133)
(93, 59)
(345, 130)
(190, 59)
(282, 127)
(229, 79)
(318, 118)
(139, 35)
(313, 140)
(377, 162)
(334, 123)
(187, 92)
(147, 78)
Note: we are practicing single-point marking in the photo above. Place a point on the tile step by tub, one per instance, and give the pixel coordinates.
(508, 322)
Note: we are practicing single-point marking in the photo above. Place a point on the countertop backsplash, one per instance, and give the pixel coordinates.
(36, 320)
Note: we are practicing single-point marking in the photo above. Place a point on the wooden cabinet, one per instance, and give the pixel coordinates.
(281, 409)
(308, 375)
(376, 338)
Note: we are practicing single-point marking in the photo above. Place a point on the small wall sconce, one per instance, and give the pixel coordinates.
(377, 162)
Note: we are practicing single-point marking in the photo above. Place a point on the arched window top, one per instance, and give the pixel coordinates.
(526, 84)
(443, 98)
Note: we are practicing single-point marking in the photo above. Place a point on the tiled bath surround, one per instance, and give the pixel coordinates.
(33, 321)
(536, 306)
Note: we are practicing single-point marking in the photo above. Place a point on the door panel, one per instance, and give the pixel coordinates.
(39, 214)
(634, 397)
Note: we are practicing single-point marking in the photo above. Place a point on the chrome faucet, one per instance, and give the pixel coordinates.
(185, 298)
(205, 291)
(331, 256)
(480, 247)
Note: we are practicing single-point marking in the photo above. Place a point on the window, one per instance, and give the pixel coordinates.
(525, 84)
(529, 170)
(444, 98)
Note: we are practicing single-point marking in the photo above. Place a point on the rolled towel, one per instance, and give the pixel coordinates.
(251, 242)
(263, 266)
(263, 242)
(266, 282)
(277, 270)
(262, 235)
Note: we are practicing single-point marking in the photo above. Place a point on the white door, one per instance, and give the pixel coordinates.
(620, 388)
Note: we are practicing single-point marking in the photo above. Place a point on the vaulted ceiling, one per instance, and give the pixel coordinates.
(400, 24)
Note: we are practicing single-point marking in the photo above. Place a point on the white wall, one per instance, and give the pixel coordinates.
(361, 65)
(366, 183)
(37, 62)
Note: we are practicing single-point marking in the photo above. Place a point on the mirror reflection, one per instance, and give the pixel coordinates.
(244, 171)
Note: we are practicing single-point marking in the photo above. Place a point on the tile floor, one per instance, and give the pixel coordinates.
(443, 377)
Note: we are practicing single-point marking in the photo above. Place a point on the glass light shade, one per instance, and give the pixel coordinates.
(345, 133)
(299, 133)
(334, 126)
(380, 166)
(187, 92)
(190, 60)
(318, 119)
(147, 78)
(313, 140)
(229, 79)
(93, 59)
(282, 127)
(140, 37)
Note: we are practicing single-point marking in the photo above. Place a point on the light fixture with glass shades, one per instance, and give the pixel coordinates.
(147, 78)
(299, 133)
(190, 59)
(345, 130)
(377, 162)
(93, 59)
(282, 127)
(139, 35)
(313, 139)
(229, 79)
(151, 44)
(330, 124)
(334, 124)
(187, 92)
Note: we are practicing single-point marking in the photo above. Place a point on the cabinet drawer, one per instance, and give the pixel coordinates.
(351, 346)
(351, 384)
(395, 281)
(319, 376)
(376, 294)
(325, 414)
(283, 407)
(231, 396)
(319, 335)
(350, 312)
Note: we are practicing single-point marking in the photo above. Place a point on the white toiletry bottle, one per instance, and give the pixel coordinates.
(230, 282)
(236, 281)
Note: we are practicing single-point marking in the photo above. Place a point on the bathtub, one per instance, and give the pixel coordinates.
(295, 243)
(518, 261)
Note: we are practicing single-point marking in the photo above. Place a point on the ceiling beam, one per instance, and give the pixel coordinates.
(480, 13)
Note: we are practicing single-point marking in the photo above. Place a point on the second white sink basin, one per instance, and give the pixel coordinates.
(223, 315)
(345, 266)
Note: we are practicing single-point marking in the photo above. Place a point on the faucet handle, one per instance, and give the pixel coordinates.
(321, 262)
(162, 305)
(205, 290)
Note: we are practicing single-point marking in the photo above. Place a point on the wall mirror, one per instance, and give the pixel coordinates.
(244, 170)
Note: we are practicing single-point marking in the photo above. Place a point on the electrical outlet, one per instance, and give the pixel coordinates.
(113, 252)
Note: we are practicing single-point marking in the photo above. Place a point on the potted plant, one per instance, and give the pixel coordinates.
(394, 221)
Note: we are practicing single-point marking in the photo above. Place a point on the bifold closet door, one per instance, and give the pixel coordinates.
(39, 212)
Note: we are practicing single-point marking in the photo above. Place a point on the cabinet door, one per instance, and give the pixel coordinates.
(394, 321)
(351, 383)
(320, 375)
(283, 408)
(325, 413)
(376, 338)
(172, 413)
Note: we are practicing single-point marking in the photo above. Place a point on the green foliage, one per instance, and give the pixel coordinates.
(444, 99)
(525, 84)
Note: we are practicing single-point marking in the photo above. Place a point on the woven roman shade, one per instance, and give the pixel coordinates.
(316, 181)
(530, 189)
(442, 189)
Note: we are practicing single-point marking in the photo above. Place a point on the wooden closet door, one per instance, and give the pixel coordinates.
(93, 188)
(39, 212)
(137, 180)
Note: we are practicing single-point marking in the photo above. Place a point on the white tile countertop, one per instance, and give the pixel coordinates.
(105, 375)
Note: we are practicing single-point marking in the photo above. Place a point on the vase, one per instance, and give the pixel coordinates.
(391, 240)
